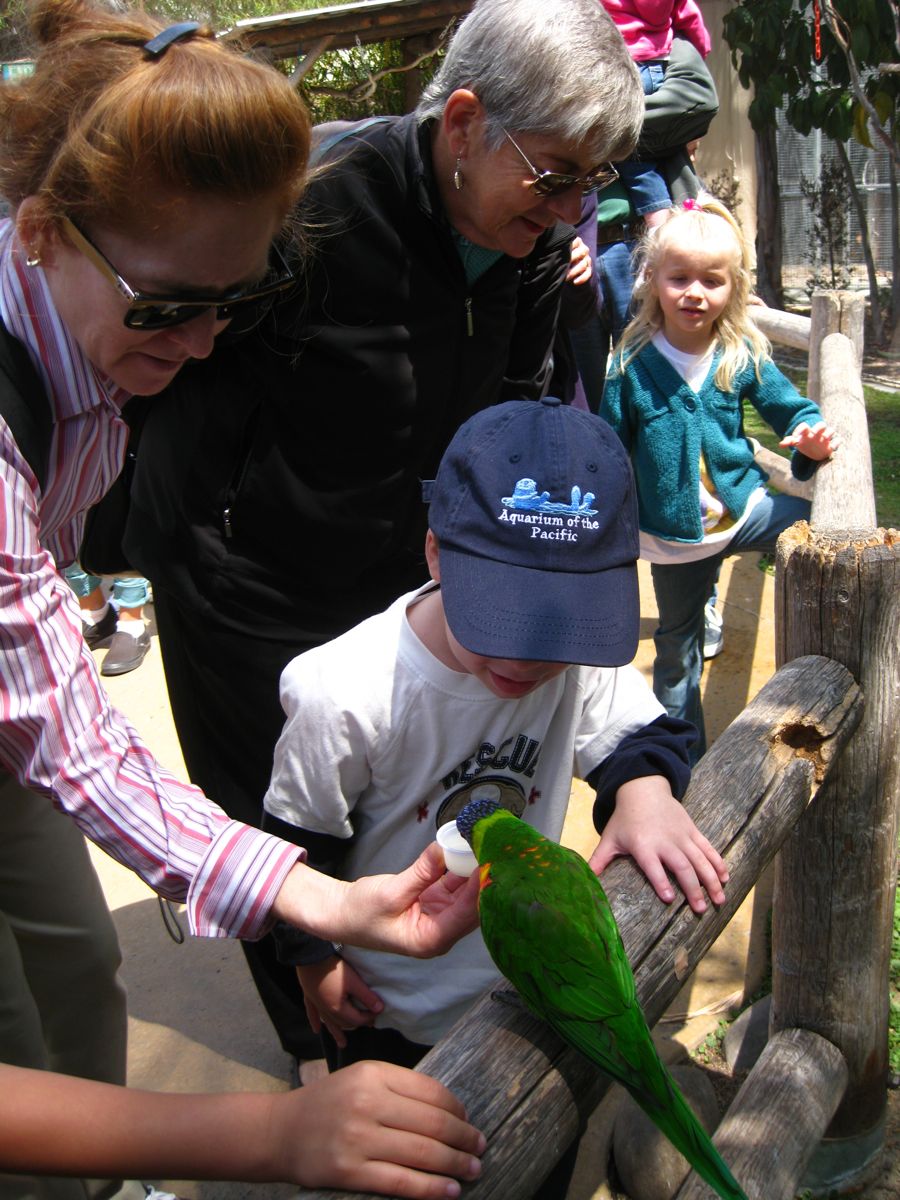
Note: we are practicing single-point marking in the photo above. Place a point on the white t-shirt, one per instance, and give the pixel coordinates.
(384, 741)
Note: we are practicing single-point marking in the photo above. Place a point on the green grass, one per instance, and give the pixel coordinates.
(883, 409)
(894, 1021)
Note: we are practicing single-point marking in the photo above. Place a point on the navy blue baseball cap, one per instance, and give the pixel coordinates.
(535, 512)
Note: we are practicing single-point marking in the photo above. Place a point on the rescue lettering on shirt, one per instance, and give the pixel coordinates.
(518, 754)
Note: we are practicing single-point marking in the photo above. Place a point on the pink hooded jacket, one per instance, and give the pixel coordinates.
(648, 26)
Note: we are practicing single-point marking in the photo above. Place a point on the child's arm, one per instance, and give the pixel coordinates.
(370, 1127)
(796, 419)
(651, 826)
(817, 442)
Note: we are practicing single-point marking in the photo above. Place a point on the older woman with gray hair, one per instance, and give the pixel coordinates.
(277, 499)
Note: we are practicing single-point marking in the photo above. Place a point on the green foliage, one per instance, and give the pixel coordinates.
(710, 1049)
(773, 49)
(342, 85)
(894, 1020)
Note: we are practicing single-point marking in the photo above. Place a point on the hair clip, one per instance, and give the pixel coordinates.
(158, 45)
(691, 205)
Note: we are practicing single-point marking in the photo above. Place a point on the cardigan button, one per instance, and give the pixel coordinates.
(690, 404)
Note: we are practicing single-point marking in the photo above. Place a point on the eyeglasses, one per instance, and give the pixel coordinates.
(159, 312)
(554, 183)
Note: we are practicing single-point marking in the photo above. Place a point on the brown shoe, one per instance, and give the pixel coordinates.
(125, 653)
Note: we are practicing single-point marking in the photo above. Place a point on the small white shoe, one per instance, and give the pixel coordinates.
(713, 633)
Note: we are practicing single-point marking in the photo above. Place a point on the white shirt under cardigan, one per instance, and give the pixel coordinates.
(384, 740)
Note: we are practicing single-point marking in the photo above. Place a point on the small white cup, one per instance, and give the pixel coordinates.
(457, 852)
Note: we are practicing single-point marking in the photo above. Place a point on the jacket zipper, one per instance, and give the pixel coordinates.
(240, 473)
(470, 323)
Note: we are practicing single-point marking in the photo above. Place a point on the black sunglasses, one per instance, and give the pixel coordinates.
(159, 312)
(554, 183)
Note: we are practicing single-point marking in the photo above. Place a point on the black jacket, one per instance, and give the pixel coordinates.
(278, 483)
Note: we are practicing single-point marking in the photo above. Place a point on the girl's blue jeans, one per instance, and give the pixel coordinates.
(129, 591)
(682, 591)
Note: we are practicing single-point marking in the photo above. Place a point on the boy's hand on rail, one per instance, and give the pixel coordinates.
(651, 826)
(817, 442)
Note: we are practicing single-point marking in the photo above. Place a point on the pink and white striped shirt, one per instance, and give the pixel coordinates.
(59, 735)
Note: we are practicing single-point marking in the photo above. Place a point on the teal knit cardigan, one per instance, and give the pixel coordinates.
(665, 427)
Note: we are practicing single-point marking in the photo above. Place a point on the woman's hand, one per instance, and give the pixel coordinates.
(817, 442)
(422, 911)
(337, 997)
(376, 1127)
(651, 826)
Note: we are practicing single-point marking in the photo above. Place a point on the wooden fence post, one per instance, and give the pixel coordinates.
(833, 312)
(837, 593)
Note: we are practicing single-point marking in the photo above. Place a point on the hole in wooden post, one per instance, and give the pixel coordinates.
(804, 741)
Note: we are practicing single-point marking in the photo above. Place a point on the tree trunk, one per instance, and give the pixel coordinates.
(862, 217)
(769, 236)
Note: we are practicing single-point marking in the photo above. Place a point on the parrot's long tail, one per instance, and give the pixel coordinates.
(674, 1117)
(625, 1051)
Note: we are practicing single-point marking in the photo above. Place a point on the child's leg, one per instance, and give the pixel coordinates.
(616, 279)
(131, 593)
(774, 513)
(681, 594)
(682, 108)
(382, 1045)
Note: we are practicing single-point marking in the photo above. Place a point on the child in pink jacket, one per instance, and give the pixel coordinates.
(648, 27)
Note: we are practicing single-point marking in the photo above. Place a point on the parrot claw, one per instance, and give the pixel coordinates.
(509, 997)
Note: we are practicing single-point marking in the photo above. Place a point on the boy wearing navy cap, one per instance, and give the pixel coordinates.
(466, 687)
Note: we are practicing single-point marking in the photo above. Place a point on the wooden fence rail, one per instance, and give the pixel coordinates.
(520, 1084)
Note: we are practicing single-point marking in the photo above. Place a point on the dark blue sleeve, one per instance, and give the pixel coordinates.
(660, 748)
(295, 947)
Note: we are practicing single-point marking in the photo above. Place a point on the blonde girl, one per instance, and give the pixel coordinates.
(686, 364)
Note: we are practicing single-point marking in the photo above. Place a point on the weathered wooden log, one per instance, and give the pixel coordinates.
(520, 1084)
(844, 498)
(833, 312)
(786, 329)
(786, 1102)
(835, 876)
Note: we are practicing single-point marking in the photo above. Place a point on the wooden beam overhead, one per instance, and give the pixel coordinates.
(289, 35)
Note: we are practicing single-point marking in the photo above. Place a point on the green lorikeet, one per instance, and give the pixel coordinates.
(548, 926)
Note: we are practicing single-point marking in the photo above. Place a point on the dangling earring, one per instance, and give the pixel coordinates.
(33, 259)
(458, 176)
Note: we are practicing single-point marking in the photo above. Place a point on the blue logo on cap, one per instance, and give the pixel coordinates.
(527, 498)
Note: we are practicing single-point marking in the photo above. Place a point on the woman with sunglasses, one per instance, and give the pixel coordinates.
(148, 172)
(292, 508)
